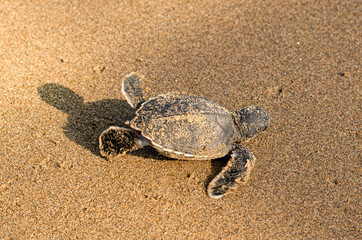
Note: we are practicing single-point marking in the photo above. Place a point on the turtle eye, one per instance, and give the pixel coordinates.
(264, 128)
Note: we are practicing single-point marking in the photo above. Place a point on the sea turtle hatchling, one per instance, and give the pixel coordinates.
(188, 127)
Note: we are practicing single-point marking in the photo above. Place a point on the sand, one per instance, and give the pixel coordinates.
(61, 68)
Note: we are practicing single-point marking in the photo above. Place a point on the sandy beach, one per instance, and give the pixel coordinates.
(61, 67)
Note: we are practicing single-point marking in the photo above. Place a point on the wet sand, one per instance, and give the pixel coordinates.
(61, 67)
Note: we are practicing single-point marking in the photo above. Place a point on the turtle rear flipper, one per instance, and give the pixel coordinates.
(132, 90)
(237, 170)
(117, 140)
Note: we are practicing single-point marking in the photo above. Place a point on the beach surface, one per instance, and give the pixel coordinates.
(61, 67)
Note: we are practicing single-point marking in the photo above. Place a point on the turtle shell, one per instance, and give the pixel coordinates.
(186, 127)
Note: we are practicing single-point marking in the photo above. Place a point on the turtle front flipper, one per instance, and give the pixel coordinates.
(237, 170)
(132, 90)
(117, 140)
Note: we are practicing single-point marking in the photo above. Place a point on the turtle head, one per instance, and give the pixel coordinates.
(251, 120)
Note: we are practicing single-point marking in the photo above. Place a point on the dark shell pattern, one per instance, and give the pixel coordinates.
(186, 127)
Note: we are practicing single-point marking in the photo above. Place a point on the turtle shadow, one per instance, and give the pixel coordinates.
(86, 121)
